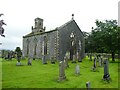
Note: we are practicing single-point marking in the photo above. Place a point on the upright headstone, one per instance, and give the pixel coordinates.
(100, 61)
(88, 85)
(106, 75)
(74, 59)
(62, 71)
(94, 64)
(77, 70)
(44, 61)
(66, 62)
(52, 60)
(90, 56)
(29, 61)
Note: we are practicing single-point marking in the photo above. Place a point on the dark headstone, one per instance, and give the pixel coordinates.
(44, 61)
(106, 75)
(88, 85)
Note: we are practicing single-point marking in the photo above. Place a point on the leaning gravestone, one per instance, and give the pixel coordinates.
(88, 85)
(61, 71)
(44, 61)
(106, 75)
(77, 70)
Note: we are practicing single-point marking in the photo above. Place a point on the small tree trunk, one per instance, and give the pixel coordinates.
(113, 56)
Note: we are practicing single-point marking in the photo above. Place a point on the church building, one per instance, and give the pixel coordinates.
(67, 39)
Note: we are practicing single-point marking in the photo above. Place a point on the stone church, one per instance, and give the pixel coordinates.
(67, 39)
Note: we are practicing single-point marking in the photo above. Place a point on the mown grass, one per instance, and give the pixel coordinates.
(46, 76)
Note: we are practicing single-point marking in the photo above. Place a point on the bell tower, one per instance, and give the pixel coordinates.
(38, 26)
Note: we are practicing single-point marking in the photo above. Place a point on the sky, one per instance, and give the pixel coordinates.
(19, 16)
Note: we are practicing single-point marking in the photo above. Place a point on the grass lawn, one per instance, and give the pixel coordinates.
(46, 76)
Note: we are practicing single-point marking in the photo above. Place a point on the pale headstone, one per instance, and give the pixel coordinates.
(62, 71)
(106, 75)
(88, 85)
(29, 61)
(18, 64)
(66, 62)
(100, 61)
(74, 59)
(77, 70)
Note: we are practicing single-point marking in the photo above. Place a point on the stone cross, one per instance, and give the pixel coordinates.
(77, 70)
(44, 61)
(62, 71)
(106, 75)
(88, 85)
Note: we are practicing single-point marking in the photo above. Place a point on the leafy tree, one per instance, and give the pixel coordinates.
(105, 36)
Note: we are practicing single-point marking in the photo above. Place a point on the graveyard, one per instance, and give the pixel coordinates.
(40, 75)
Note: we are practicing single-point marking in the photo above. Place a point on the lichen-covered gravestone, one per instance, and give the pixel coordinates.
(61, 71)
(106, 75)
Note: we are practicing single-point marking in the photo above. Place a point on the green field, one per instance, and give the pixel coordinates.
(46, 76)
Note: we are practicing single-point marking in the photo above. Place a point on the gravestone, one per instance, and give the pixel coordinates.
(29, 61)
(77, 70)
(88, 85)
(100, 61)
(74, 59)
(94, 64)
(90, 56)
(52, 60)
(44, 61)
(106, 75)
(18, 64)
(66, 62)
(61, 71)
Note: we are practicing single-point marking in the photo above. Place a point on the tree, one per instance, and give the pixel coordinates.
(105, 36)
(1, 26)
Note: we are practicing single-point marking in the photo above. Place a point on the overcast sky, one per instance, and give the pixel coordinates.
(19, 16)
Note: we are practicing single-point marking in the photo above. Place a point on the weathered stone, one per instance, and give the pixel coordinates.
(44, 61)
(74, 59)
(66, 62)
(77, 70)
(29, 61)
(62, 71)
(58, 41)
(106, 75)
(19, 64)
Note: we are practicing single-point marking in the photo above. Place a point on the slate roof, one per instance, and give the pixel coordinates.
(57, 28)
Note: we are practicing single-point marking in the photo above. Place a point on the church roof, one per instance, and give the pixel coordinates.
(57, 28)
